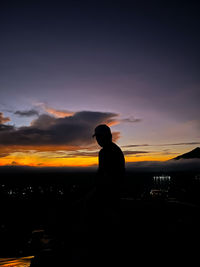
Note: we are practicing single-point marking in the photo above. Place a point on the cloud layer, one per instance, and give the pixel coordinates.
(74, 130)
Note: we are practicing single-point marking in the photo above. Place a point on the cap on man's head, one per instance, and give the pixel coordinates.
(102, 129)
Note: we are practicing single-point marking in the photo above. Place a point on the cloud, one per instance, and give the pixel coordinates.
(43, 122)
(27, 113)
(170, 144)
(66, 113)
(129, 152)
(3, 119)
(131, 120)
(2, 155)
(168, 152)
(4, 127)
(181, 144)
(130, 146)
(31, 150)
(46, 130)
(56, 112)
(76, 154)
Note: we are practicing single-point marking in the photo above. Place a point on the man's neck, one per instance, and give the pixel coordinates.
(108, 144)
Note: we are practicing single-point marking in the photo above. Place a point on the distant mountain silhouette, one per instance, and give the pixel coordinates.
(195, 153)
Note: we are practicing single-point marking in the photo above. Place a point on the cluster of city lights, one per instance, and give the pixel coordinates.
(30, 190)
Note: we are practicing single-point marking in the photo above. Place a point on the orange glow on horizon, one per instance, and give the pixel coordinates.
(147, 158)
(35, 161)
(53, 159)
(65, 156)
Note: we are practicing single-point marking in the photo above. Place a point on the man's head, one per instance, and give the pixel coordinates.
(103, 135)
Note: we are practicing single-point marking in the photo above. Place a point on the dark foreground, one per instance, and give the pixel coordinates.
(54, 222)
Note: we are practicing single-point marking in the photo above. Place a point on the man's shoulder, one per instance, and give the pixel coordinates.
(113, 148)
(116, 147)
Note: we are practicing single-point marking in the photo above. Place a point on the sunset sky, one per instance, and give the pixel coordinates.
(67, 67)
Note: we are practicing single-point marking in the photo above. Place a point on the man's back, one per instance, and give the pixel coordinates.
(111, 164)
(111, 171)
(111, 161)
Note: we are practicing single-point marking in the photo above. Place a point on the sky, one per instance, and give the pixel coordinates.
(67, 66)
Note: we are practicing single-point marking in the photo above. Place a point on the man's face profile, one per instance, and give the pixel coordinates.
(103, 135)
(103, 139)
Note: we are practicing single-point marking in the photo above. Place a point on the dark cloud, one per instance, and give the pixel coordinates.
(131, 120)
(4, 127)
(27, 113)
(168, 152)
(130, 146)
(180, 144)
(2, 155)
(173, 144)
(129, 152)
(47, 130)
(44, 121)
(3, 119)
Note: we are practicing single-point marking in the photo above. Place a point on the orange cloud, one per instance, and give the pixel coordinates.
(3, 119)
(21, 148)
(59, 113)
(56, 112)
(112, 122)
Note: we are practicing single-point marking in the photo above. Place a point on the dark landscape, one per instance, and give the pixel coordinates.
(45, 214)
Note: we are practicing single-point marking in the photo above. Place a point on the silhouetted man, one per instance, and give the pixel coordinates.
(111, 166)
(110, 176)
